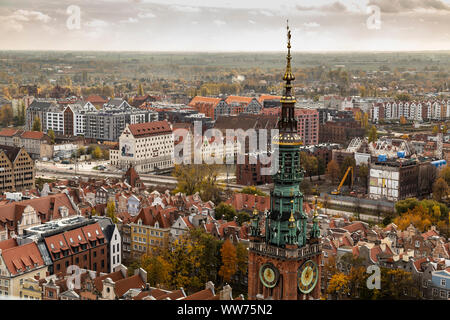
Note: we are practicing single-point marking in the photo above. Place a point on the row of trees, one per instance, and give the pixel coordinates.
(193, 260)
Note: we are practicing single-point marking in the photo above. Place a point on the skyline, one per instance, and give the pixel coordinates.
(225, 26)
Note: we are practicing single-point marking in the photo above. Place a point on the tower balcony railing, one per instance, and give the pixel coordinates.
(307, 251)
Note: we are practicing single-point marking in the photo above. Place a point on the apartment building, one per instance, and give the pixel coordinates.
(148, 147)
(308, 125)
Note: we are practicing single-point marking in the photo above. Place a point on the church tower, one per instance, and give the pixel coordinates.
(284, 260)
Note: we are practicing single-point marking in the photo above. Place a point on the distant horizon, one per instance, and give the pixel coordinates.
(225, 25)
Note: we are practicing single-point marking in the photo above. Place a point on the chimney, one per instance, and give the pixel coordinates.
(210, 285)
(226, 293)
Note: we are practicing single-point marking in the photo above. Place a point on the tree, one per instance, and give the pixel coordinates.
(229, 261)
(97, 153)
(253, 190)
(51, 135)
(158, 269)
(242, 217)
(348, 162)
(36, 124)
(242, 258)
(6, 115)
(140, 90)
(224, 211)
(440, 189)
(339, 285)
(402, 120)
(372, 136)
(111, 211)
(445, 173)
(333, 171)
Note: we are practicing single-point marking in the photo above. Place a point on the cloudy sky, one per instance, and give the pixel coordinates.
(225, 25)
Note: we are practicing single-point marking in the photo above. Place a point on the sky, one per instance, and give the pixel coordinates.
(225, 25)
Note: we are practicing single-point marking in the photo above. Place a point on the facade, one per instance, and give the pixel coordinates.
(410, 110)
(340, 131)
(250, 174)
(16, 169)
(398, 180)
(114, 241)
(211, 107)
(150, 230)
(308, 125)
(71, 241)
(239, 105)
(284, 262)
(38, 109)
(148, 147)
(36, 143)
(17, 264)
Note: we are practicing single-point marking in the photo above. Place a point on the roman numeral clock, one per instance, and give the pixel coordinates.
(285, 250)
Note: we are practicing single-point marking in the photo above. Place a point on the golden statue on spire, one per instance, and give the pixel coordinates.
(288, 76)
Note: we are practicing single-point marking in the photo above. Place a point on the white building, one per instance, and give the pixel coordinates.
(147, 146)
(114, 240)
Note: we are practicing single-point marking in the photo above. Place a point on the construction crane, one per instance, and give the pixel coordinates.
(338, 190)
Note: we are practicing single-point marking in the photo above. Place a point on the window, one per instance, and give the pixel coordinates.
(443, 282)
(443, 294)
(435, 292)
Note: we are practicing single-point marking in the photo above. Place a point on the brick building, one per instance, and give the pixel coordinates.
(340, 131)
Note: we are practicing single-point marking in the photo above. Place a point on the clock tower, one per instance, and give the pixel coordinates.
(284, 261)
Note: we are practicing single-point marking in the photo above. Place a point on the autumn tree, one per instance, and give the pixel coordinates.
(111, 211)
(97, 153)
(333, 171)
(339, 285)
(157, 268)
(440, 189)
(37, 124)
(51, 135)
(229, 261)
(140, 90)
(372, 135)
(253, 190)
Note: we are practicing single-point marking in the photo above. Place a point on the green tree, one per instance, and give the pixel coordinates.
(363, 173)
(242, 217)
(225, 211)
(140, 90)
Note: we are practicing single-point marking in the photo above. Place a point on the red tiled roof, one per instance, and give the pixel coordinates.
(204, 100)
(6, 244)
(8, 132)
(429, 233)
(21, 257)
(114, 276)
(238, 99)
(204, 294)
(36, 135)
(123, 285)
(268, 97)
(149, 128)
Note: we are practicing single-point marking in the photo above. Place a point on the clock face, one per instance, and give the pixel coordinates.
(307, 276)
(268, 275)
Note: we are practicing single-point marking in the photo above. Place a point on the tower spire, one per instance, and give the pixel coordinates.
(287, 122)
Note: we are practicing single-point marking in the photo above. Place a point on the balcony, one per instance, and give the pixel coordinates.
(308, 251)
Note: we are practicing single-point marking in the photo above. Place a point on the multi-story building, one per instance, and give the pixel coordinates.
(38, 109)
(400, 179)
(239, 105)
(114, 240)
(308, 125)
(340, 131)
(36, 143)
(150, 229)
(146, 146)
(16, 169)
(19, 262)
(410, 110)
(71, 241)
(211, 107)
